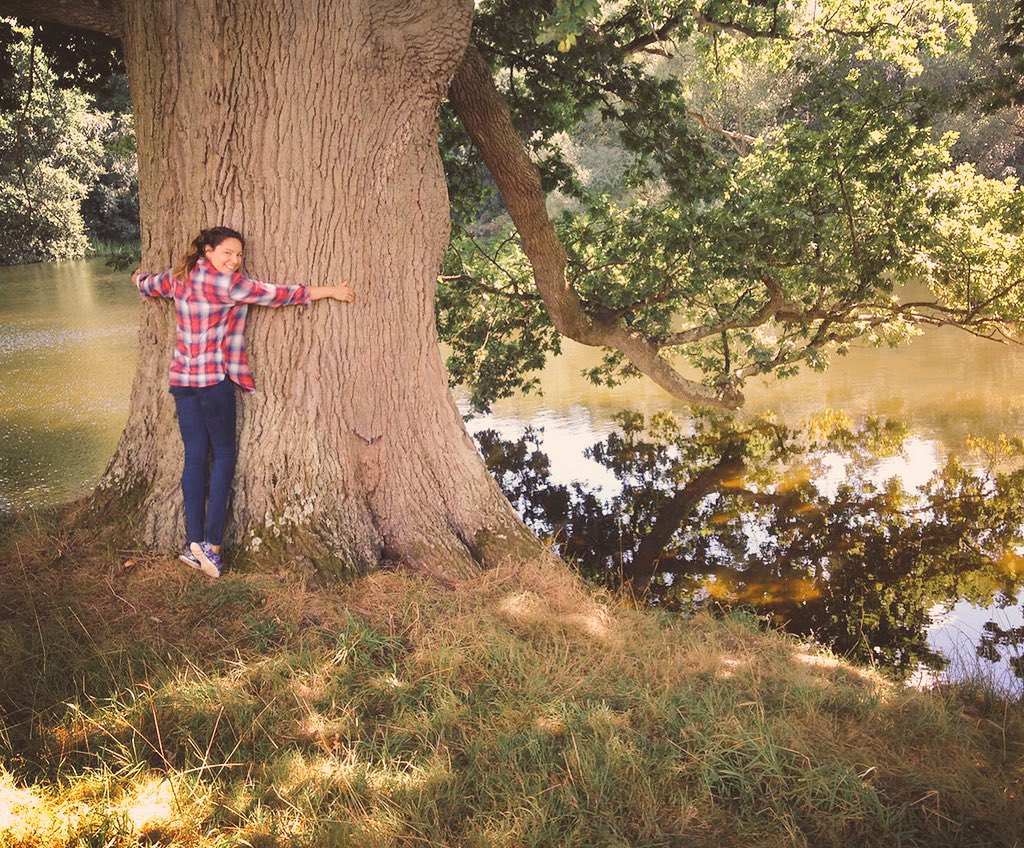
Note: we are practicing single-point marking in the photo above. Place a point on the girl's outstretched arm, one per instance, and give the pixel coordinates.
(342, 291)
(247, 290)
(154, 285)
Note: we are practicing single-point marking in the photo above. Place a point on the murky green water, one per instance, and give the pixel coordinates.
(946, 384)
(67, 359)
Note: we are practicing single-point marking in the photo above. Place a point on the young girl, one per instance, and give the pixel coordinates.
(210, 297)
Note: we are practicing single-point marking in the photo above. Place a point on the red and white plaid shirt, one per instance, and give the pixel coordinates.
(211, 308)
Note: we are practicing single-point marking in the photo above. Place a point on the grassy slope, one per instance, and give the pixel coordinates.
(152, 704)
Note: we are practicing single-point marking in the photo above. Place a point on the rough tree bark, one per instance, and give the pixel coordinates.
(312, 128)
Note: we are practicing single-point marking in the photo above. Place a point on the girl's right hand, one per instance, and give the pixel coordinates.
(135, 275)
(343, 292)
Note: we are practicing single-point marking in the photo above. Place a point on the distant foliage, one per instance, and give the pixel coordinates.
(111, 207)
(50, 153)
(67, 158)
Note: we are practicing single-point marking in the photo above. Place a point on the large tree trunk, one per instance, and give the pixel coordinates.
(312, 128)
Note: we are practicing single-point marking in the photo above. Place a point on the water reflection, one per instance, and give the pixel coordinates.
(812, 526)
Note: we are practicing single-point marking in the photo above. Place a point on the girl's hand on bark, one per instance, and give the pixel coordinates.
(344, 292)
(135, 275)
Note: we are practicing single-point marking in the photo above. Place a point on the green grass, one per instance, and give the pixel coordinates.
(98, 247)
(149, 705)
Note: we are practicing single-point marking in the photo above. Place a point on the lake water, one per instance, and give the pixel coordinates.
(67, 359)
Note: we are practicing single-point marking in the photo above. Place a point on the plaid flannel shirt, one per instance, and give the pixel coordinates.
(211, 308)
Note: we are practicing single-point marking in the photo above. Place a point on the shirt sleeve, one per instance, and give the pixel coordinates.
(156, 285)
(247, 290)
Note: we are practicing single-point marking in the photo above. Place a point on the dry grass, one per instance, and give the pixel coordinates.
(147, 704)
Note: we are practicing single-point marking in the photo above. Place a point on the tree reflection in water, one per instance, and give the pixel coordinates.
(799, 523)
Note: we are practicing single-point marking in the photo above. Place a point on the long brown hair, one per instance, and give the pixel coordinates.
(207, 238)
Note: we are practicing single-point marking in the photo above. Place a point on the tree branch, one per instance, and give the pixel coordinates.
(658, 34)
(732, 26)
(486, 118)
(768, 310)
(97, 15)
(655, 36)
(732, 136)
(510, 295)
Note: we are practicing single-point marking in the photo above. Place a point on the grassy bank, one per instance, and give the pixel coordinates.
(149, 704)
(98, 247)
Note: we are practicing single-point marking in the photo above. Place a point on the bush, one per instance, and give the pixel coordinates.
(50, 153)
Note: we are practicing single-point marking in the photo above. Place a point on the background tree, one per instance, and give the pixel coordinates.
(971, 93)
(68, 146)
(49, 154)
(111, 206)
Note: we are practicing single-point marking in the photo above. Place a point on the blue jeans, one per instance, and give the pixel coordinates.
(206, 417)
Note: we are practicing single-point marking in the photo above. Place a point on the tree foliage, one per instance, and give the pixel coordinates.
(111, 206)
(766, 230)
(50, 152)
(69, 171)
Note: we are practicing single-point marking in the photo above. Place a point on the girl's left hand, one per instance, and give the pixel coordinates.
(135, 275)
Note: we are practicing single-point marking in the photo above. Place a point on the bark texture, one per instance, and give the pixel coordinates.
(311, 127)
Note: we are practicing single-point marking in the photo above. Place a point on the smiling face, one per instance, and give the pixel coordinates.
(226, 257)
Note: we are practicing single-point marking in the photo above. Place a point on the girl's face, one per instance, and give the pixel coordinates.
(226, 257)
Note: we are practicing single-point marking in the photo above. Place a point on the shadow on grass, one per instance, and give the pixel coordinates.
(148, 703)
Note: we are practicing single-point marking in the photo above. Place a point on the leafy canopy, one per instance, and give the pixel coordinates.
(780, 192)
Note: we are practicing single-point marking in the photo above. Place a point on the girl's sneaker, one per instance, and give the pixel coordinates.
(209, 559)
(187, 557)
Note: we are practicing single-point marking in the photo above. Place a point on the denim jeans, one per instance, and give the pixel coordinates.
(206, 417)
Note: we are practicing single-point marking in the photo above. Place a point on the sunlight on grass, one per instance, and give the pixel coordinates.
(22, 811)
(818, 660)
(156, 804)
(730, 665)
(519, 709)
(148, 804)
(528, 609)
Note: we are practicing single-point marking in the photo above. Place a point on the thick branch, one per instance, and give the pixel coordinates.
(654, 36)
(733, 26)
(97, 15)
(732, 136)
(486, 118)
(658, 34)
